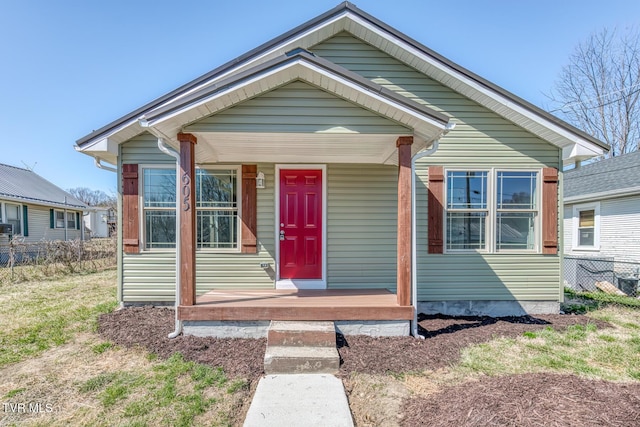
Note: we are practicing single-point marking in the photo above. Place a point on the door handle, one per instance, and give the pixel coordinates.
(281, 234)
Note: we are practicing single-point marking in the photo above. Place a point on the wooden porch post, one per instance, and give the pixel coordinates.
(187, 217)
(403, 277)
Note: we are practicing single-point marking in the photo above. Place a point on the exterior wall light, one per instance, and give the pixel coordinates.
(260, 180)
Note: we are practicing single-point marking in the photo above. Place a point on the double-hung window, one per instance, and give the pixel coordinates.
(516, 210)
(14, 217)
(216, 201)
(59, 219)
(217, 208)
(467, 210)
(586, 226)
(491, 210)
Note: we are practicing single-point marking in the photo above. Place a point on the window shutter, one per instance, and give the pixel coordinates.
(549, 211)
(130, 209)
(77, 220)
(52, 219)
(249, 210)
(25, 221)
(435, 207)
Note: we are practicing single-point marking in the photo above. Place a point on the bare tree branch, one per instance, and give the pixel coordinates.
(599, 89)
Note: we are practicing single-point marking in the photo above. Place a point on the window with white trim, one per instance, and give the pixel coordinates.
(217, 201)
(71, 221)
(14, 217)
(59, 218)
(586, 226)
(491, 210)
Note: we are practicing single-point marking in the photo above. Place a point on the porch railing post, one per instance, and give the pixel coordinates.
(403, 276)
(187, 218)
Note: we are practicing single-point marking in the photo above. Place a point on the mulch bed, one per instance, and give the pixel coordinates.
(528, 400)
(148, 327)
(445, 337)
(516, 400)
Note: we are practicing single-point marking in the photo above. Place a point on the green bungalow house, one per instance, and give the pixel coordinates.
(342, 171)
(33, 209)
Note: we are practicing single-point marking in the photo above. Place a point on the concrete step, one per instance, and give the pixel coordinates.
(299, 334)
(301, 360)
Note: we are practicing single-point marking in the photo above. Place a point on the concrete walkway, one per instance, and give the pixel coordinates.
(299, 400)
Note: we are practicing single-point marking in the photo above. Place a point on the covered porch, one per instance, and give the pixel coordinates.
(301, 304)
(300, 114)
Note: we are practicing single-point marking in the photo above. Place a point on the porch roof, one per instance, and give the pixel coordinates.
(334, 144)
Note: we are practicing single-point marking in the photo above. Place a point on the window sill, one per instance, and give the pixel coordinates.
(586, 249)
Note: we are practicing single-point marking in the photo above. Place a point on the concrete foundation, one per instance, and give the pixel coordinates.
(488, 308)
(374, 328)
(226, 329)
(259, 329)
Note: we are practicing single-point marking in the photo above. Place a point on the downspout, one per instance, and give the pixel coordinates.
(97, 161)
(166, 149)
(414, 242)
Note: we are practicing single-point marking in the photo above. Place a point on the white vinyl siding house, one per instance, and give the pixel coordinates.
(602, 209)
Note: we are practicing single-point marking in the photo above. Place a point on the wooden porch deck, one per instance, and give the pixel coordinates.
(278, 304)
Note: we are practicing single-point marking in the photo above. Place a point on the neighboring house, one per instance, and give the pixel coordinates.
(100, 222)
(295, 172)
(36, 209)
(602, 209)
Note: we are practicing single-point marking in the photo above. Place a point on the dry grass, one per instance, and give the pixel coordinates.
(63, 373)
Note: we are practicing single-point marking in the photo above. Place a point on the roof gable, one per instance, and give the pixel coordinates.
(22, 185)
(346, 17)
(297, 107)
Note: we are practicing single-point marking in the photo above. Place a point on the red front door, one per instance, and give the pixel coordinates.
(300, 224)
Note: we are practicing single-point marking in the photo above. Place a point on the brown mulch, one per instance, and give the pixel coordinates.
(445, 337)
(148, 327)
(528, 400)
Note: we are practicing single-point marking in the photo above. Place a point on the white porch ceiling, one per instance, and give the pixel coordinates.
(232, 147)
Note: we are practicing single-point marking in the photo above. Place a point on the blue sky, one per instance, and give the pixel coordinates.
(68, 67)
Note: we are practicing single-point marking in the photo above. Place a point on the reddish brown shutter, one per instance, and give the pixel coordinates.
(130, 209)
(436, 209)
(549, 211)
(249, 210)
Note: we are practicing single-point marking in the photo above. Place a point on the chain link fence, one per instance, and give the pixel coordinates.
(588, 274)
(20, 260)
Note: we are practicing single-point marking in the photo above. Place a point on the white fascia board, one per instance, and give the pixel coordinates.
(479, 88)
(579, 152)
(603, 195)
(225, 92)
(105, 148)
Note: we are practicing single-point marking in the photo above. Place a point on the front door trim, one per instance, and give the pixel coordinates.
(301, 283)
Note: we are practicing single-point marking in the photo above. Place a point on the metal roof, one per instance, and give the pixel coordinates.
(23, 185)
(607, 177)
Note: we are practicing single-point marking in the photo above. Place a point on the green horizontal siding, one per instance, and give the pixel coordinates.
(144, 149)
(481, 138)
(297, 107)
(150, 275)
(362, 208)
